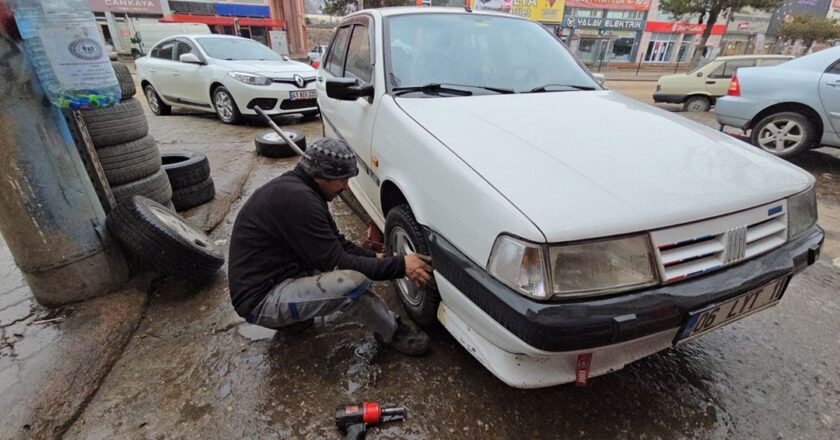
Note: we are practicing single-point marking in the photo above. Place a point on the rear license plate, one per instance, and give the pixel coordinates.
(718, 315)
(301, 95)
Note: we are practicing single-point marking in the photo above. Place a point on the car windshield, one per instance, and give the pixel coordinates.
(481, 51)
(237, 49)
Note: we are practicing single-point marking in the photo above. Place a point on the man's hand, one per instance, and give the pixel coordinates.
(419, 270)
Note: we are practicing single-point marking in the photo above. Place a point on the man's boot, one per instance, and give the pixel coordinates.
(408, 339)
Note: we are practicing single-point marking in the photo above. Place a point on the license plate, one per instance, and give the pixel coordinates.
(303, 94)
(718, 315)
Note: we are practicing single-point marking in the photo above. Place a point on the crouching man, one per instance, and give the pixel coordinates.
(289, 263)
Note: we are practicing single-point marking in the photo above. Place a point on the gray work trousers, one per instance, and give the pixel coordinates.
(299, 299)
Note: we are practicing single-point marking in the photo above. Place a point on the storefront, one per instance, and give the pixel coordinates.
(746, 34)
(675, 42)
(114, 18)
(604, 31)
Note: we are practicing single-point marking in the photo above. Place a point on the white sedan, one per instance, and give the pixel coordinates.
(226, 75)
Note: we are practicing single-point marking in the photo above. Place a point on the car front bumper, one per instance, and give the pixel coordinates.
(529, 344)
(274, 99)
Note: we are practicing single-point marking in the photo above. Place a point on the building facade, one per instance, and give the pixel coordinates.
(604, 31)
(673, 40)
(747, 34)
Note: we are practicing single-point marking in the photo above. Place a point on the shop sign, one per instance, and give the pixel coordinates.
(744, 26)
(627, 5)
(682, 27)
(132, 6)
(546, 11)
(604, 23)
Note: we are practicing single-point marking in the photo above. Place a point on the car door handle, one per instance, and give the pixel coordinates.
(176, 74)
(711, 82)
(833, 84)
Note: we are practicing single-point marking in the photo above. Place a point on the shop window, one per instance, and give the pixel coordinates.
(594, 13)
(626, 15)
(622, 48)
(358, 55)
(338, 52)
(682, 55)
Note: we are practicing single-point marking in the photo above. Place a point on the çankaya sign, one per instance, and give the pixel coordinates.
(135, 6)
(604, 23)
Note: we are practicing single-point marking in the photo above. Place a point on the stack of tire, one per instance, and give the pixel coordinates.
(189, 175)
(128, 154)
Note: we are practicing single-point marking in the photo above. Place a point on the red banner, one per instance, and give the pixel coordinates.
(631, 5)
(669, 27)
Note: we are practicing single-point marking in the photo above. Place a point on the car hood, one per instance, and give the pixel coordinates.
(270, 68)
(592, 164)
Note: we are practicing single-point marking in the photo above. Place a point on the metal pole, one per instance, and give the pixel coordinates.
(51, 218)
(640, 63)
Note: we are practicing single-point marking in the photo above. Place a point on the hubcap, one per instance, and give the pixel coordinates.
(274, 137)
(781, 135)
(402, 245)
(697, 106)
(183, 229)
(151, 98)
(224, 106)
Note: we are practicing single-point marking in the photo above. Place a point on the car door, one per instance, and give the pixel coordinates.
(830, 94)
(161, 71)
(353, 120)
(717, 83)
(191, 86)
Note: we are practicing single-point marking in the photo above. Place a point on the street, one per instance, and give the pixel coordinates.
(194, 369)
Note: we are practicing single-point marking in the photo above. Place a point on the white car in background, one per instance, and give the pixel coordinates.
(226, 75)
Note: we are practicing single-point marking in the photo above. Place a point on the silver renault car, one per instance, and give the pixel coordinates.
(789, 108)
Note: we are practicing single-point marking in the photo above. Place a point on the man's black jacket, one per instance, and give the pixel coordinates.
(285, 230)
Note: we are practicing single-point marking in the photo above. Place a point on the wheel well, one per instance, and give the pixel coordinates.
(795, 107)
(213, 88)
(391, 196)
(143, 84)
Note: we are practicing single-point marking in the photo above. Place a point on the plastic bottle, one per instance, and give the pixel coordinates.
(67, 52)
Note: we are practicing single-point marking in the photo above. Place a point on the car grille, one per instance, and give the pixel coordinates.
(288, 104)
(263, 103)
(690, 250)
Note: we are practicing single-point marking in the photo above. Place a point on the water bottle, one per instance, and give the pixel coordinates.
(68, 54)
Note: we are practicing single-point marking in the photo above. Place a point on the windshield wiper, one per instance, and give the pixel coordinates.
(567, 87)
(431, 89)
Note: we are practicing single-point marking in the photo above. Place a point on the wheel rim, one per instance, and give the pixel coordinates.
(697, 105)
(183, 229)
(224, 106)
(274, 137)
(151, 98)
(402, 245)
(781, 136)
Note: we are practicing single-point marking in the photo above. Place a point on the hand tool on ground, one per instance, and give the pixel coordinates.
(279, 131)
(353, 420)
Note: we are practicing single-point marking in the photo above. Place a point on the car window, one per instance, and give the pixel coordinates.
(718, 73)
(358, 55)
(773, 61)
(338, 50)
(732, 66)
(183, 48)
(165, 51)
(835, 69)
(234, 49)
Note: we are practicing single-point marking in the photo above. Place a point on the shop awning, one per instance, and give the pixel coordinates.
(223, 21)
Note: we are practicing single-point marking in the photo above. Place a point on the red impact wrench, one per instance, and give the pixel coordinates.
(353, 420)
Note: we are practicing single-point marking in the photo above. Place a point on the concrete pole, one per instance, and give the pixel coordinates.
(292, 12)
(115, 32)
(50, 216)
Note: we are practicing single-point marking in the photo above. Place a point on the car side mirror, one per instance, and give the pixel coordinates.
(348, 89)
(600, 77)
(190, 58)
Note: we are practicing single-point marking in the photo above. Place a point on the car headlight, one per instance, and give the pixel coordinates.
(251, 78)
(520, 265)
(802, 212)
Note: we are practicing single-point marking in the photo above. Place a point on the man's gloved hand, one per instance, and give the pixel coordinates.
(418, 269)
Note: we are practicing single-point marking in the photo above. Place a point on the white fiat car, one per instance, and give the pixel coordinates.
(226, 75)
(572, 230)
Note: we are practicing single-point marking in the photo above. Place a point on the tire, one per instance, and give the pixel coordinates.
(151, 233)
(402, 229)
(124, 122)
(156, 105)
(697, 104)
(127, 86)
(270, 144)
(787, 145)
(155, 187)
(131, 161)
(192, 196)
(185, 168)
(225, 106)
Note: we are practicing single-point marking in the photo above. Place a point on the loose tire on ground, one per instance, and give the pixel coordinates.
(155, 187)
(270, 144)
(798, 134)
(192, 196)
(697, 104)
(402, 235)
(131, 161)
(124, 122)
(185, 168)
(127, 86)
(155, 235)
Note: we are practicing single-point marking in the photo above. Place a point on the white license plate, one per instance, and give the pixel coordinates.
(718, 315)
(303, 94)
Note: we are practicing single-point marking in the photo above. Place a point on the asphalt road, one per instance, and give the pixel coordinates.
(194, 370)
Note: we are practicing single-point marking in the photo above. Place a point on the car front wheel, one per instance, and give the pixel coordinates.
(784, 134)
(225, 106)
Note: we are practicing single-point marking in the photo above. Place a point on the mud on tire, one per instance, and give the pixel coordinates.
(154, 235)
(402, 230)
(270, 144)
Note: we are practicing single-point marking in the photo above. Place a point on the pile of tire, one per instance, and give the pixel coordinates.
(189, 175)
(128, 154)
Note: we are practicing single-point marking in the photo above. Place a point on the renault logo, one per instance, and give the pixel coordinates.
(299, 81)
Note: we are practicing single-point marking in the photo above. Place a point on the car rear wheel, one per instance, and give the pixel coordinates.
(784, 134)
(697, 104)
(155, 104)
(225, 106)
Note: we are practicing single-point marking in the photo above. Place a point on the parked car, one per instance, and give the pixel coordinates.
(699, 89)
(226, 75)
(316, 53)
(789, 108)
(573, 230)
